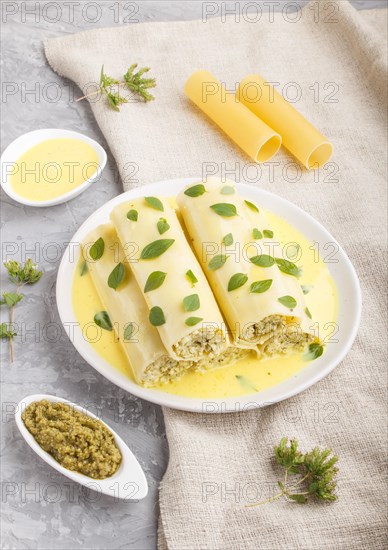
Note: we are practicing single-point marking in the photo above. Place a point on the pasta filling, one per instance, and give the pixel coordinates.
(163, 370)
(277, 334)
(230, 356)
(206, 342)
(166, 369)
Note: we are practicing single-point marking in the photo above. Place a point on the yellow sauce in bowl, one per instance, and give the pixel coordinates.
(52, 168)
(248, 375)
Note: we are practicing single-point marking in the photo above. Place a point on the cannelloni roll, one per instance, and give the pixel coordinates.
(127, 309)
(257, 290)
(180, 302)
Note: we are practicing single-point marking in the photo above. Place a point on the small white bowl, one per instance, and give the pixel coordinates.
(128, 483)
(24, 142)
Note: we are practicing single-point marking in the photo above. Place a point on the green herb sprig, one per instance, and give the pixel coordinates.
(19, 275)
(316, 470)
(133, 81)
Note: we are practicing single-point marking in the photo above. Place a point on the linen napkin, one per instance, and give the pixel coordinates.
(334, 62)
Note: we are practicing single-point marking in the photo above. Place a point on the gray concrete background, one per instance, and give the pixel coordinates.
(40, 508)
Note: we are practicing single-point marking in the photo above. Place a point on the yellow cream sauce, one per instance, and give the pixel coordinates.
(247, 375)
(52, 168)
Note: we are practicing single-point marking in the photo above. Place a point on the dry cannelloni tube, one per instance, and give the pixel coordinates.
(127, 309)
(257, 290)
(181, 304)
(300, 137)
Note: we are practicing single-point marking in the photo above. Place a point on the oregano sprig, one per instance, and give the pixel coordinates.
(19, 275)
(138, 84)
(316, 470)
(133, 81)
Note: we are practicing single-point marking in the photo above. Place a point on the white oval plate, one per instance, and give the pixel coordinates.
(128, 483)
(342, 272)
(24, 142)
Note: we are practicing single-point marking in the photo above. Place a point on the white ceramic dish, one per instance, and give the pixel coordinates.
(20, 145)
(342, 271)
(128, 483)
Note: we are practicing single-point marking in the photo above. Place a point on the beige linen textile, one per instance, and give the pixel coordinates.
(217, 462)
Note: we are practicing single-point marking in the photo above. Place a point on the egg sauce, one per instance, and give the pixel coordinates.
(248, 375)
(52, 168)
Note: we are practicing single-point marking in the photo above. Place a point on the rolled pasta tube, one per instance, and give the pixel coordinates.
(257, 139)
(128, 313)
(300, 137)
(263, 306)
(181, 303)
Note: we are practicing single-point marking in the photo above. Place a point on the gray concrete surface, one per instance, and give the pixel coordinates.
(40, 508)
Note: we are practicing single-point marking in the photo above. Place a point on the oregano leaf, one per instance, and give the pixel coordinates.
(191, 277)
(191, 303)
(156, 249)
(195, 190)
(228, 190)
(224, 209)
(236, 281)
(251, 206)
(116, 276)
(315, 350)
(256, 234)
(288, 301)
(156, 316)
(192, 321)
(6, 332)
(217, 262)
(245, 383)
(288, 267)
(97, 249)
(128, 331)
(133, 215)
(262, 260)
(83, 268)
(102, 320)
(155, 280)
(12, 298)
(306, 288)
(258, 287)
(228, 239)
(301, 499)
(155, 203)
(162, 226)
